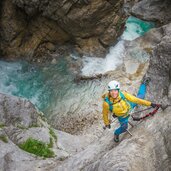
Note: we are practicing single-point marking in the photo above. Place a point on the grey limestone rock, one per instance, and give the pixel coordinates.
(18, 112)
(153, 10)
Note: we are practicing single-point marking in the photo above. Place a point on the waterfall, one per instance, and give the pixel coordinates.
(134, 28)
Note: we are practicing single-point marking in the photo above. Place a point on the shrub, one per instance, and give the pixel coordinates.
(36, 147)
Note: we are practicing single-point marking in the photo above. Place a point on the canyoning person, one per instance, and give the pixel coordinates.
(121, 103)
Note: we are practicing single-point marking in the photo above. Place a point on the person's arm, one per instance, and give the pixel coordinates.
(105, 113)
(136, 100)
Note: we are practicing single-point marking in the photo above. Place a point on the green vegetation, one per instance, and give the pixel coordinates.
(42, 116)
(37, 147)
(52, 133)
(21, 127)
(4, 138)
(34, 125)
(53, 136)
(2, 125)
(50, 145)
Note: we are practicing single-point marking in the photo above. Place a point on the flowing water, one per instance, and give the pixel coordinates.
(134, 28)
(52, 88)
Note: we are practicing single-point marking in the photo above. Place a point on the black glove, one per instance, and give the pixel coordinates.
(153, 105)
(114, 116)
(108, 126)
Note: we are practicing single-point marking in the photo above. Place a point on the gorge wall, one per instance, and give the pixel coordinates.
(36, 28)
(32, 28)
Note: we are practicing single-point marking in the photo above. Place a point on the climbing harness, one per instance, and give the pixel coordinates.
(147, 115)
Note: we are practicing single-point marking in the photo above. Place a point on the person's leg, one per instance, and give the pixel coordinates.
(141, 94)
(123, 125)
(142, 91)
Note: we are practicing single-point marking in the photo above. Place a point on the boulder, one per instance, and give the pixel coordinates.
(153, 10)
(18, 112)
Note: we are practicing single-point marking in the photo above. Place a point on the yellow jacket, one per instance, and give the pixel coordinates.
(121, 106)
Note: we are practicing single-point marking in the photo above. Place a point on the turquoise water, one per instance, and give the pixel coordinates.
(136, 28)
(52, 88)
(37, 84)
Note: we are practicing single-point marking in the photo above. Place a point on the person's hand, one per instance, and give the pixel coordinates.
(107, 126)
(114, 116)
(154, 105)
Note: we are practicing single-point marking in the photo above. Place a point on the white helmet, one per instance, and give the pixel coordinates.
(113, 85)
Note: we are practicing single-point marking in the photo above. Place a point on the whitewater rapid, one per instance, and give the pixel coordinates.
(134, 29)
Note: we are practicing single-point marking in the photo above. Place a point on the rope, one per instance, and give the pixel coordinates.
(147, 115)
(141, 110)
